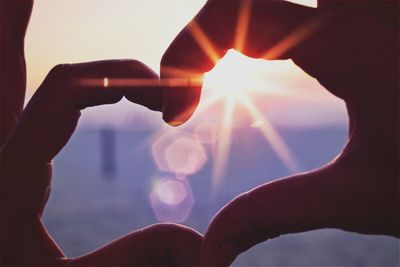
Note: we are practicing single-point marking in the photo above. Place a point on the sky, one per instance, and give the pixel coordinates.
(71, 31)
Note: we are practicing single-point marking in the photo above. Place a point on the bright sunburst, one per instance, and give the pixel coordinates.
(233, 81)
(236, 80)
(234, 77)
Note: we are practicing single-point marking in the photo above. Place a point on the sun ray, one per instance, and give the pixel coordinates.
(223, 145)
(301, 33)
(107, 82)
(203, 41)
(207, 102)
(272, 136)
(178, 72)
(242, 25)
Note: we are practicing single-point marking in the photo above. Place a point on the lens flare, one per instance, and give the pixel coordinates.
(105, 82)
(235, 75)
(242, 25)
(202, 39)
(235, 82)
(171, 192)
(272, 136)
(179, 152)
(207, 132)
(171, 199)
(223, 145)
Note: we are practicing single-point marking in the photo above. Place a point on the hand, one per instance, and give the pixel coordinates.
(43, 129)
(352, 50)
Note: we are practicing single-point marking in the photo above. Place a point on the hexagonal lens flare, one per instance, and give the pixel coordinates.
(179, 153)
(171, 192)
(207, 133)
(171, 200)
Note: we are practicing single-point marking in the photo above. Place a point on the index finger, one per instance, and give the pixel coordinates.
(252, 27)
(48, 122)
(44, 128)
(194, 51)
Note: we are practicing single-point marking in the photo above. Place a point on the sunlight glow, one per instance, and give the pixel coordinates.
(301, 33)
(242, 25)
(272, 136)
(236, 82)
(257, 124)
(105, 82)
(230, 80)
(140, 82)
(203, 40)
(233, 76)
(233, 81)
(223, 144)
(177, 72)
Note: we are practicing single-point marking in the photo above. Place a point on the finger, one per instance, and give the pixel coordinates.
(347, 68)
(44, 128)
(103, 82)
(219, 26)
(194, 51)
(157, 245)
(14, 16)
(145, 89)
(47, 124)
(341, 195)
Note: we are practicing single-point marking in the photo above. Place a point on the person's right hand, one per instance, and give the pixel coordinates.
(351, 48)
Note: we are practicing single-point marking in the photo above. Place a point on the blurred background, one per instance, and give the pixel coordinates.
(125, 169)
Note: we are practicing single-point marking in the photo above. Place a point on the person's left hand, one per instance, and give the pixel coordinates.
(43, 129)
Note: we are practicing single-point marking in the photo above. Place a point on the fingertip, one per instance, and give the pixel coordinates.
(186, 251)
(181, 243)
(179, 104)
(143, 86)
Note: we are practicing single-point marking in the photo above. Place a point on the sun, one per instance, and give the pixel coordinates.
(235, 80)
(234, 76)
(238, 77)
(239, 80)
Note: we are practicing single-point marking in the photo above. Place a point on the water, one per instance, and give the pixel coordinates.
(89, 208)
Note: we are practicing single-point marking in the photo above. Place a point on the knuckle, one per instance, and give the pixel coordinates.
(58, 71)
(59, 74)
(56, 80)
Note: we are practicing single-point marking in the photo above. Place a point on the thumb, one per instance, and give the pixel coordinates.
(156, 245)
(342, 195)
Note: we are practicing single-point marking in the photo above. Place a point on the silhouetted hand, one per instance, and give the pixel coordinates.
(44, 128)
(351, 48)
